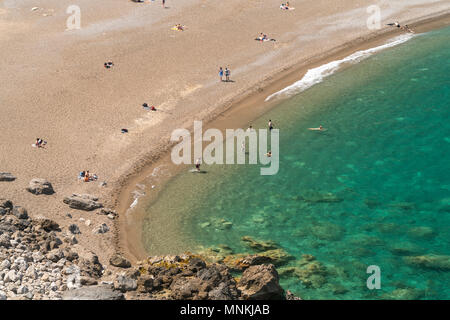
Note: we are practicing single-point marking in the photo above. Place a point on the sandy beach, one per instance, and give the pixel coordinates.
(54, 85)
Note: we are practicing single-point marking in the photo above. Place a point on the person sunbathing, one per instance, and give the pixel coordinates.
(179, 27)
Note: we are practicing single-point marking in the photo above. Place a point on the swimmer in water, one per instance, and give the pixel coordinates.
(269, 154)
(320, 128)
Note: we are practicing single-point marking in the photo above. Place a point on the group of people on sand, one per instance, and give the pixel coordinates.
(179, 27)
(227, 74)
(40, 143)
(146, 106)
(108, 64)
(86, 176)
(405, 27)
(285, 6)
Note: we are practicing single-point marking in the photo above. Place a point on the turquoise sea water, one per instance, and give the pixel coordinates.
(384, 160)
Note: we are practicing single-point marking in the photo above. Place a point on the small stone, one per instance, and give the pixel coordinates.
(74, 229)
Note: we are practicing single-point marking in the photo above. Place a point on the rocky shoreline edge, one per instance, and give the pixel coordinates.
(40, 261)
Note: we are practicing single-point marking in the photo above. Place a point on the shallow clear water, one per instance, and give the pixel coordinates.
(385, 157)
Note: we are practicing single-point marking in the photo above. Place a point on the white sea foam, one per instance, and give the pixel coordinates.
(316, 75)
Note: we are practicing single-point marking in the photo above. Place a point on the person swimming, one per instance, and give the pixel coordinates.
(320, 128)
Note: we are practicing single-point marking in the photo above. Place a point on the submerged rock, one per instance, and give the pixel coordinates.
(313, 196)
(330, 232)
(422, 232)
(259, 245)
(405, 249)
(404, 294)
(430, 261)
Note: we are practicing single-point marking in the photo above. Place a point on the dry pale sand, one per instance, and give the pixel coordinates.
(54, 86)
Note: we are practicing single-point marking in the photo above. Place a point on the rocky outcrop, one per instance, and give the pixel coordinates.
(37, 260)
(93, 293)
(40, 186)
(260, 283)
(82, 202)
(6, 176)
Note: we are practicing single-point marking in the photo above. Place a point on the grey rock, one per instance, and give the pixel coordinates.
(40, 186)
(125, 283)
(20, 212)
(103, 228)
(119, 261)
(6, 176)
(82, 202)
(93, 293)
(74, 229)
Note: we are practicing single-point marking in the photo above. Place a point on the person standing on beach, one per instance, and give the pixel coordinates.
(227, 74)
(163, 3)
(221, 74)
(270, 125)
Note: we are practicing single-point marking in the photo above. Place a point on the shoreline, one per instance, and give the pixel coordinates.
(236, 112)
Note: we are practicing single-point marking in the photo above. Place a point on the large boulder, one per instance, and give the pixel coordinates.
(118, 261)
(40, 186)
(82, 202)
(125, 283)
(6, 176)
(93, 293)
(260, 283)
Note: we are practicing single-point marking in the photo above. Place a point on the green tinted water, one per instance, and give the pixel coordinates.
(384, 160)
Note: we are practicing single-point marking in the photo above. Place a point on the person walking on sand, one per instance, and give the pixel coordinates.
(197, 164)
(221, 74)
(163, 3)
(227, 74)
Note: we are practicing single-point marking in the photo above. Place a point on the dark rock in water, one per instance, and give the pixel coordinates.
(259, 245)
(82, 202)
(6, 176)
(93, 293)
(119, 261)
(260, 283)
(49, 225)
(404, 294)
(405, 249)
(40, 186)
(313, 196)
(422, 232)
(430, 261)
(20, 212)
